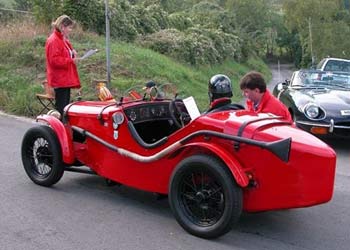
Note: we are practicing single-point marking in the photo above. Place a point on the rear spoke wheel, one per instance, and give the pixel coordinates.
(204, 197)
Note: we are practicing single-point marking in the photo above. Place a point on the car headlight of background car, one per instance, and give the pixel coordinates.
(313, 111)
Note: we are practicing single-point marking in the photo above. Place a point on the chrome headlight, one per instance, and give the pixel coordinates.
(312, 110)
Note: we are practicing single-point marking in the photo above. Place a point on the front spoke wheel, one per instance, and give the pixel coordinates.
(41, 156)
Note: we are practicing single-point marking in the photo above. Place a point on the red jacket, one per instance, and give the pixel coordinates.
(270, 104)
(61, 71)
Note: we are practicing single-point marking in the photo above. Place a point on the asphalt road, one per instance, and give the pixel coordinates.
(81, 212)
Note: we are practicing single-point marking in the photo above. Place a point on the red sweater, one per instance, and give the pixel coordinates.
(270, 104)
(61, 71)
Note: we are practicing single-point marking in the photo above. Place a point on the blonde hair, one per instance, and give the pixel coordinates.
(62, 20)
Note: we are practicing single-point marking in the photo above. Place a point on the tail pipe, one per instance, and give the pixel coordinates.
(280, 148)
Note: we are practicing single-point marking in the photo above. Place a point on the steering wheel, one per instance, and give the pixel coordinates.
(178, 113)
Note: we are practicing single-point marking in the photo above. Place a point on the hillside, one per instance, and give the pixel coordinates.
(23, 68)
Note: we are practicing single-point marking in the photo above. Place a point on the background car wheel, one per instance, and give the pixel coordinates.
(204, 197)
(41, 156)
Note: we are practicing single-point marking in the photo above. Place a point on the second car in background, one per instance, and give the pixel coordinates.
(331, 64)
(318, 101)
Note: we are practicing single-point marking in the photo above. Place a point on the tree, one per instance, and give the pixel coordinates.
(46, 11)
(322, 26)
(252, 18)
(89, 13)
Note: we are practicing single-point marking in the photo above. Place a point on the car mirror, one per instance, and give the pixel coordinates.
(281, 86)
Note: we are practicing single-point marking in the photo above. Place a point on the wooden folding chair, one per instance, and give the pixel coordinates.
(47, 98)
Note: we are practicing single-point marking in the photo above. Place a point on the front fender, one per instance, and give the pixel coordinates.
(64, 136)
(232, 163)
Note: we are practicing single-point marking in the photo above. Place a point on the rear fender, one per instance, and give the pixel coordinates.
(232, 163)
(64, 136)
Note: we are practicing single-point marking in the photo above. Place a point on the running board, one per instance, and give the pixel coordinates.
(79, 170)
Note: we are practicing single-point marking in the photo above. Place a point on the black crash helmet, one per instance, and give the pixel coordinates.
(219, 86)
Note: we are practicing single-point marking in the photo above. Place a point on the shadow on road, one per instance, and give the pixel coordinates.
(338, 144)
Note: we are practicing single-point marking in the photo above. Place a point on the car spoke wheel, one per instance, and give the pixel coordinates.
(41, 156)
(204, 196)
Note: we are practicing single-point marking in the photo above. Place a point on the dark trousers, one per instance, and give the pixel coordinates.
(62, 98)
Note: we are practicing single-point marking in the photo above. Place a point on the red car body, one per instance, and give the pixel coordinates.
(273, 164)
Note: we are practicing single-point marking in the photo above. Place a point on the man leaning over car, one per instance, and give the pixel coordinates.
(259, 99)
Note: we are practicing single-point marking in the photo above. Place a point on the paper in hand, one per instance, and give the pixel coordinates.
(89, 53)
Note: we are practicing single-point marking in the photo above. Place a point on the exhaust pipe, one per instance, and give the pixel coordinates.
(280, 148)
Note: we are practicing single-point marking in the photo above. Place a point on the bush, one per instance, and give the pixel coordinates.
(212, 16)
(164, 41)
(47, 11)
(122, 22)
(179, 21)
(205, 30)
(88, 13)
(144, 21)
(159, 15)
(194, 46)
(197, 48)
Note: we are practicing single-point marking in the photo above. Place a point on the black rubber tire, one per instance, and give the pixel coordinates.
(204, 196)
(42, 156)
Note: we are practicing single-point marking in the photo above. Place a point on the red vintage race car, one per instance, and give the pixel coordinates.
(212, 167)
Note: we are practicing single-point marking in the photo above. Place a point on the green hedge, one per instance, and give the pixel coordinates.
(196, 46)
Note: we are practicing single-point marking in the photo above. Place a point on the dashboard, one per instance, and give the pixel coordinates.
(148, 112)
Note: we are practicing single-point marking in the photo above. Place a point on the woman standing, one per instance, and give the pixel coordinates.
(61, 60)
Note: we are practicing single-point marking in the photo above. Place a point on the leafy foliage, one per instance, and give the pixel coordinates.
(195, 46)
(232, 29)
(322, 26)
(88, 13)
(46, 11)
(180, 21)
(232, 33)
